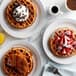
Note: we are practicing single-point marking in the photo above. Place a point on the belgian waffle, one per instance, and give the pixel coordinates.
(18, 62)
(53, 45)
(32, 14)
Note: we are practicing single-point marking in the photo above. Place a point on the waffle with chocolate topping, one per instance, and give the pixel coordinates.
(62, 42)
(32, 13)
(17, 62)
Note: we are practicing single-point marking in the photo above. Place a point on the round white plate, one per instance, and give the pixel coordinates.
(36, 26)
(36, 55)
(51, 28)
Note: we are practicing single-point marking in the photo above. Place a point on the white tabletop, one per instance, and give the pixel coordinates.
(48, 19)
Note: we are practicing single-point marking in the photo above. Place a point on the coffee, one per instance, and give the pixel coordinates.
(55, 9)
(71, 4)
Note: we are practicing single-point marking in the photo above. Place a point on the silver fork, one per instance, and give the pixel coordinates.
(54, 70)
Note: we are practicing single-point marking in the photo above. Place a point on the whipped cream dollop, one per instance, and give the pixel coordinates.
(21, 13)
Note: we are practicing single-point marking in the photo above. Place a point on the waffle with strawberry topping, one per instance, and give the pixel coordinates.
(62, 42)
(18, 61)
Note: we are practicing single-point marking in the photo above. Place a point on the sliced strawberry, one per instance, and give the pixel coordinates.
(61, 41)
(70, 41)
(68, 50)
(64, 51)
(56, 39)
(74, 44)
(68, 32)
(67, 38)
(60, 48)
(56, 33)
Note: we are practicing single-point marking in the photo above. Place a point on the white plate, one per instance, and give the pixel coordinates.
(51, 28)
(36, 55)
(36, 26)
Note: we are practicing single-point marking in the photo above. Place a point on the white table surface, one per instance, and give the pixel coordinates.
(48, 19)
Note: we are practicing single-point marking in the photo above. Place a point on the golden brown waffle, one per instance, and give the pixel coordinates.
(18, 62)
(32, 14)
(53, 47)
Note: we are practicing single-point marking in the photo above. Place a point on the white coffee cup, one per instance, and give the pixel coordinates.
(54, 9)
(70, 10)
(67, 6)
